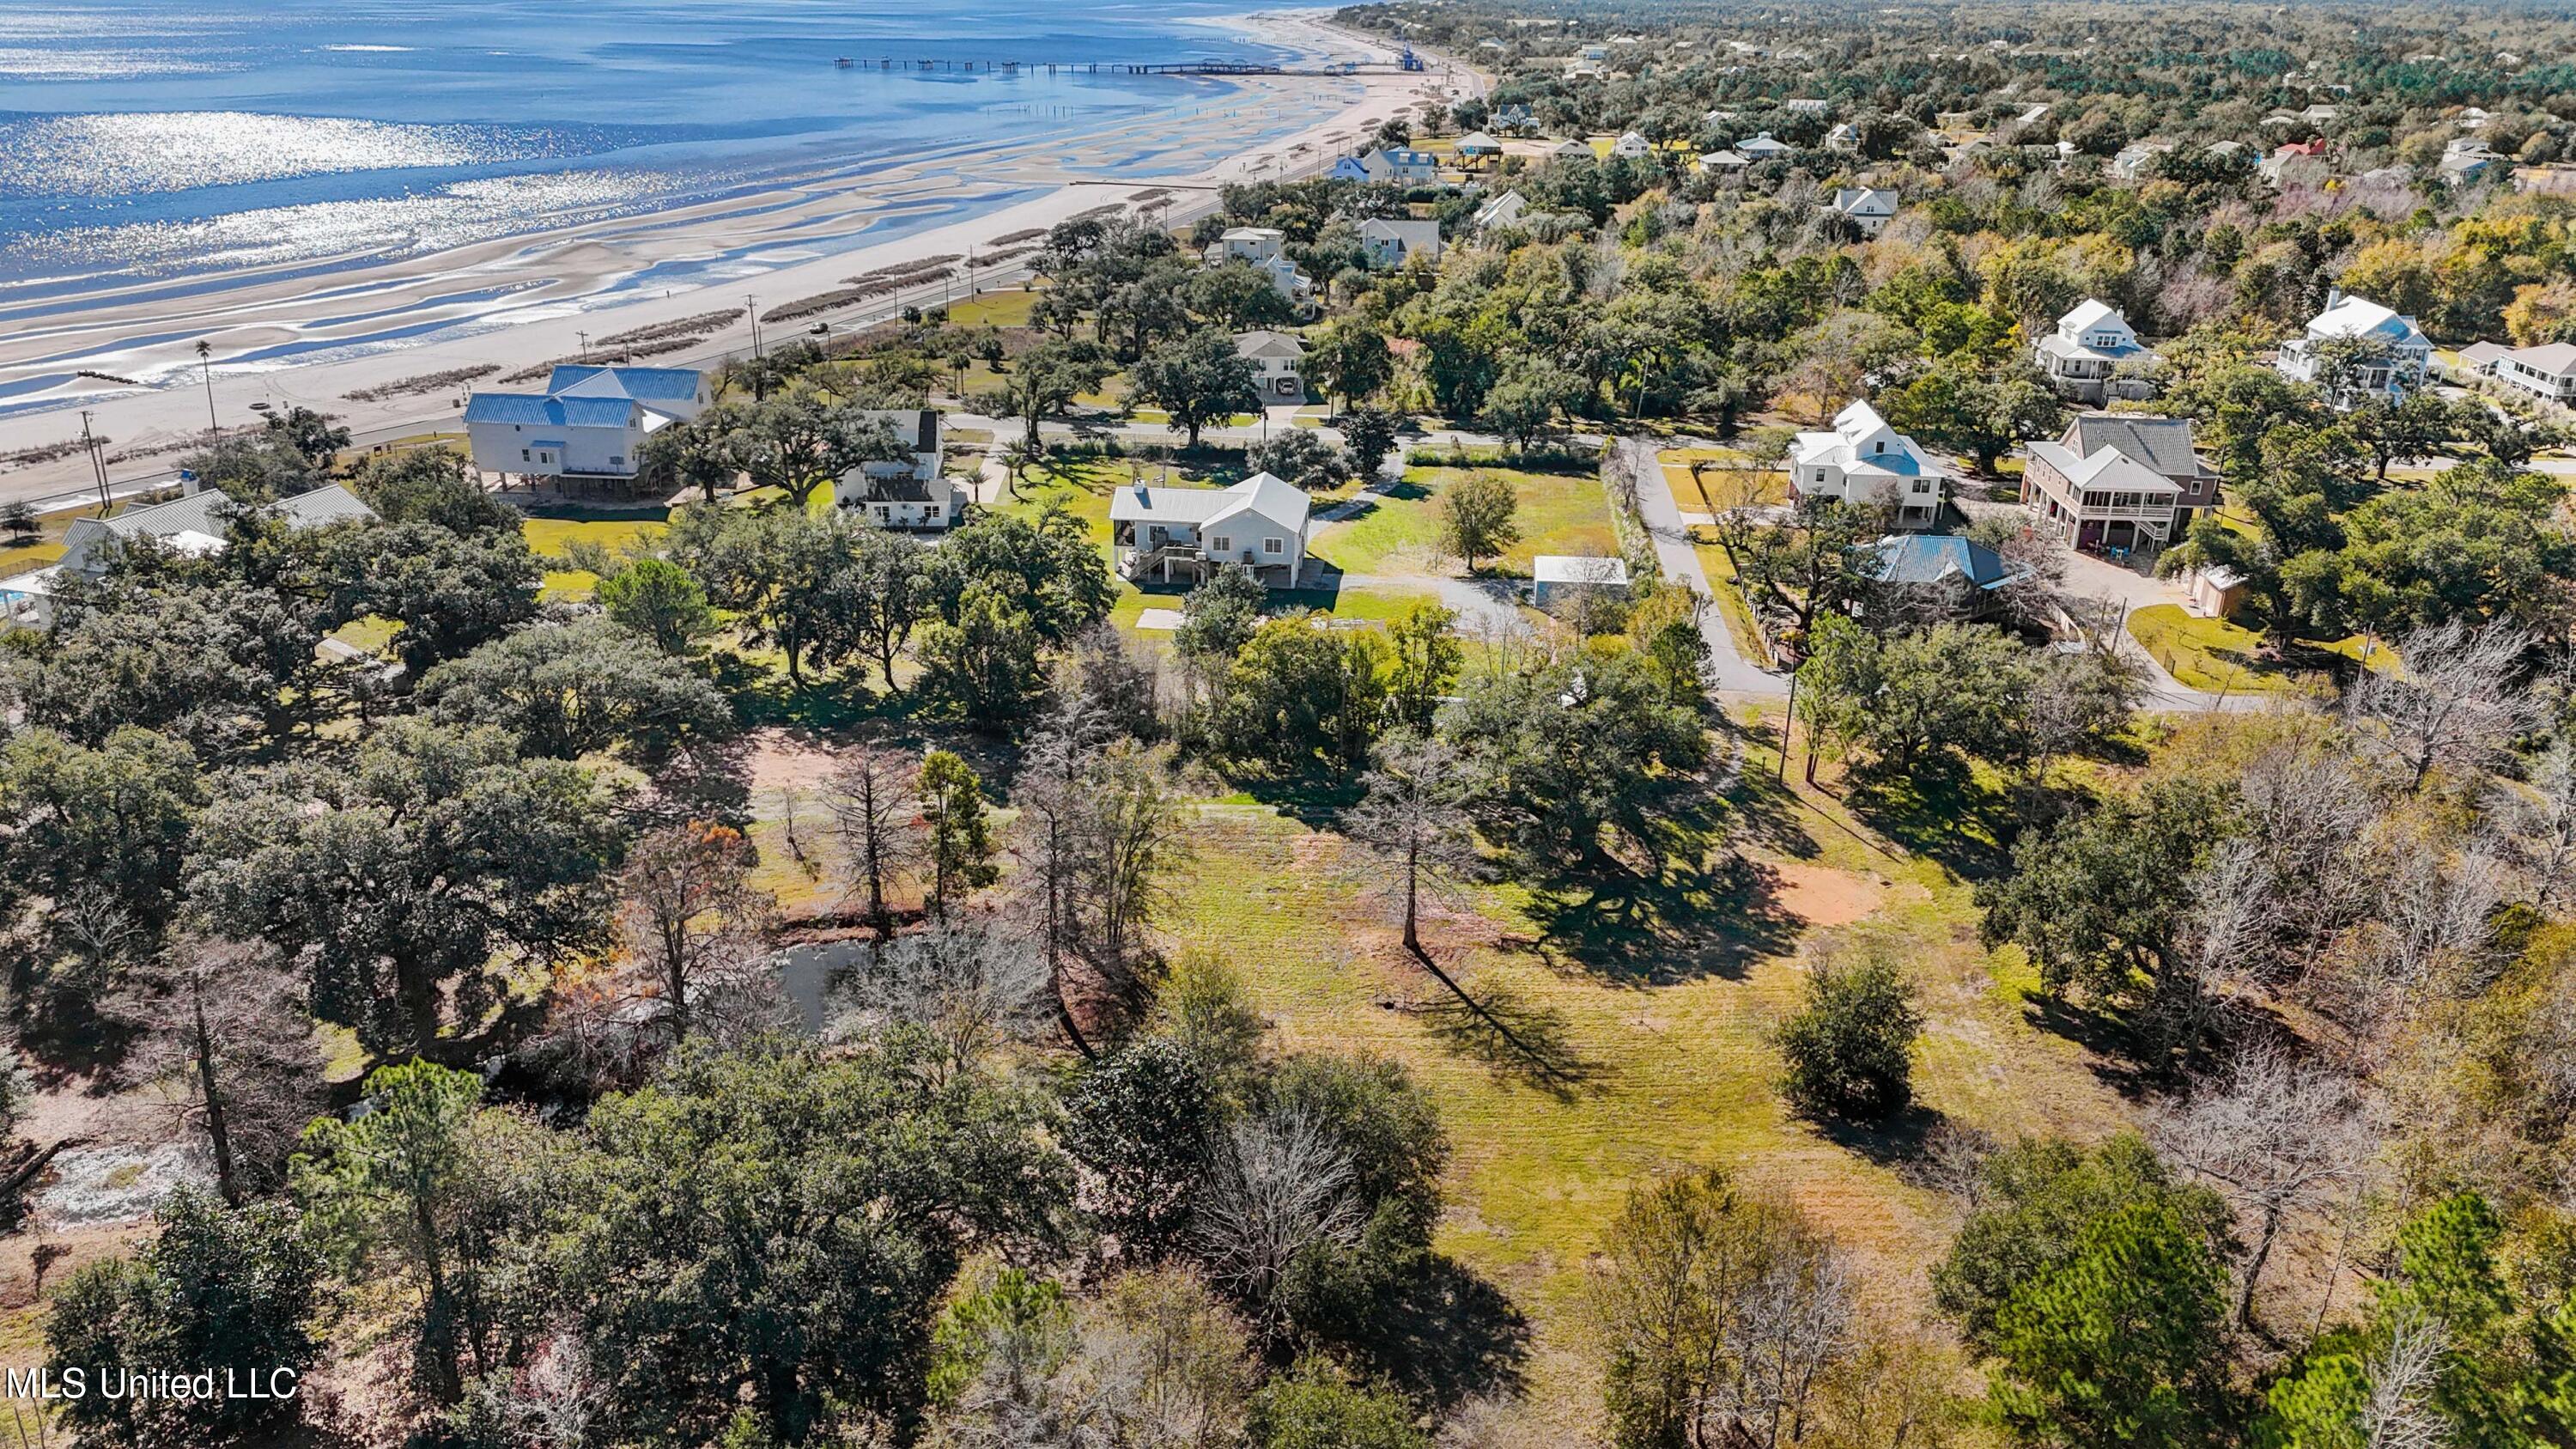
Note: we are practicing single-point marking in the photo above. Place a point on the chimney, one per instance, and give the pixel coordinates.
(2334, 298)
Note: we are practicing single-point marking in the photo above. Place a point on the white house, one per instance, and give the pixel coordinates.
(2119, 480)
(1400, 164)
(1804, 107)
(1865, 461)
(2088, 348)
(1843, 139)
(2134, 159)
(2467, 159)
(1866, 207)
(1631, 145)
(906, 492)
(1277, 361)
(1260, 523)
(193, 525)
(1725, 165)
(1390, 244)
(1577, 149)
(1504, 210)
(1762, 147)
(589, 424)
(2394, 351)
(2545, 372)
(1479, 146)
(1261, 247)
(1247, 244)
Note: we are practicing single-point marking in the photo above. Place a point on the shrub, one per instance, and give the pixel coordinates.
(1850, 1050)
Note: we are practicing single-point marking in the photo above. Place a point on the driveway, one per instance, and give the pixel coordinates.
(1730, 673)
(2088, 577)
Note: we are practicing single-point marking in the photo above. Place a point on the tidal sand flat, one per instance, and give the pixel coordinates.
(678, 154)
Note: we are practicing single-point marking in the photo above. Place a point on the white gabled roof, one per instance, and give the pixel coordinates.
(1261, 494)
(1262, 343)
(2361, 317)
(2091, 312)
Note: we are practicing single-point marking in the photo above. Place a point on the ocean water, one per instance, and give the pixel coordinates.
(172, 143)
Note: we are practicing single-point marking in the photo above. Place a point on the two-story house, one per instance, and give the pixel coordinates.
(2357, 349)
(1278, 362)
(1868, 208)
(1260, 523)
(910, 492)
(2546, 372)
(2083, 357)
(1389, 244)
(1865, 461)
(589, 424)
(1263, 248)
(2118, 481)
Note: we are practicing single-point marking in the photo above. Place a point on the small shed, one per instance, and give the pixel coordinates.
(1556, 576)
(2213, 593)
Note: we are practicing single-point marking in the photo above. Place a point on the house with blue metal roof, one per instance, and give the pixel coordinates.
(1938, 576)
(588, 425)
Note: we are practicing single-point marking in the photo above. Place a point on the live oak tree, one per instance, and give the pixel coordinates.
(785, 574)
(1044, 381)
(1197, 380)
(768, 1233)
(1850, 1048)
(409, 872)
(568, 689)
(451, 592)
(800, 443)
(431, 485)
(657, 599)
(216, 1290)
(887, 597)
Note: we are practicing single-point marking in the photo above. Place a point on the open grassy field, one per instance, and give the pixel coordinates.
(1659, 997)
(1399, 533)
(2215, 654)
(549, 537)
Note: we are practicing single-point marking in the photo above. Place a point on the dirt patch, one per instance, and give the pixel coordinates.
(1822, 896)
(780, 759)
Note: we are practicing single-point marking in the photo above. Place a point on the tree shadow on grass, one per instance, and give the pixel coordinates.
(1516, 1038)
(1939, 809)
(762, 694)
(1445, 1334)
(1702, 911)
(1898, 1142)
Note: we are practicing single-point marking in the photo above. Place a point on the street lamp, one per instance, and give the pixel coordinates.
(206, 370)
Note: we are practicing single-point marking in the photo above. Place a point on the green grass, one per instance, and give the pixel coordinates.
(1009, 308)
(1732, 605)
(1662, 995)
(1701, 495)
(1559, 513)
(2217, 654)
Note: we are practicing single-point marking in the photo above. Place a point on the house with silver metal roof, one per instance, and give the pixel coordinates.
(1166, 533)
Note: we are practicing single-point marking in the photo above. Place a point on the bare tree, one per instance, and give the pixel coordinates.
(1280, 1189)
(226, 1030)
(970, 984)
(2314, 819)
(690, 916)
(2404, 1376)
(2432, 933)
(875, 815)
(1412, 816)
(2222, 937)
(2273, 1139)
(1048, 840)
(1792, 1325)
(2456, 705)
(2541, 819)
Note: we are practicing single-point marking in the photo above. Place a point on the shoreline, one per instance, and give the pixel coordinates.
(521, 300)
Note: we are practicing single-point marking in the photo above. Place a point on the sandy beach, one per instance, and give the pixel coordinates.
(515, 302)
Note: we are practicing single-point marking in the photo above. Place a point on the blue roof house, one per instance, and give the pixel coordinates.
(589, 424)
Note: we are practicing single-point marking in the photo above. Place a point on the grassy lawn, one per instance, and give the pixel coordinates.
(1560, 513)
(549, 537)
(1009, 308)
(1731, 603)
(2215, 654)
(1702, 495)
(1659, 997)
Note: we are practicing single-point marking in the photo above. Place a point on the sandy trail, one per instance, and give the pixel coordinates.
(555, 288)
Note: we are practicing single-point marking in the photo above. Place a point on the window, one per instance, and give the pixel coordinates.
(523, 455)
(617, 460)
(1878, 445)
(1820, 475)
(1221, 542)
(1270, 545)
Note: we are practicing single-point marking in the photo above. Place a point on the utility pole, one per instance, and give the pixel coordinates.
(97, 462)
(1788, 722)
(206, 370)
(584, 339)
(751, 304)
